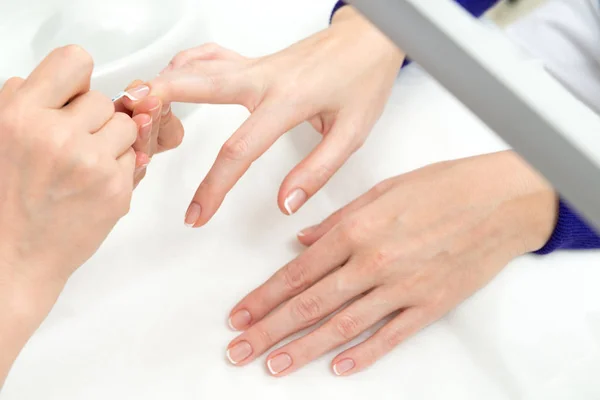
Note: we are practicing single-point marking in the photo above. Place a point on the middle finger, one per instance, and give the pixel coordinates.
(312, 265)
(299, 313)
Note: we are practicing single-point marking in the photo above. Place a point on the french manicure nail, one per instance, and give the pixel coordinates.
(294, 201)
(279, 363)
(166, 109)
(239, 352)
(308, 231)
(138, 93)
(145, 131)
(343, 366)
(193, 214)
(240, 320)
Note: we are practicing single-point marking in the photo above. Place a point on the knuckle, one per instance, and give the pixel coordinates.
(76, 53)
(295, 276)
(264, 336)
(211, 48)
(348, 326)
(13, 82)
(379, 260)
(394, 338)
(181, 58)
(307, 309)
(352, 230)
(101, 102)
(127, 125)
(236, 149)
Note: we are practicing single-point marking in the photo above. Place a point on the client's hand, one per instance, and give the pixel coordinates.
(412, 248)
(339, 80)
(67, 178)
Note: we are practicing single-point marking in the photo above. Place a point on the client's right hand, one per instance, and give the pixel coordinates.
(338, 80)
(67, 177)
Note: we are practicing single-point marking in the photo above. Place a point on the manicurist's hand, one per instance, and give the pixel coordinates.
(339, 80)
(67, 167)
(161, 129)
(413, 248)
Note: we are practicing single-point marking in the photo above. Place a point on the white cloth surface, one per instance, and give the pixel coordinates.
(146, 317)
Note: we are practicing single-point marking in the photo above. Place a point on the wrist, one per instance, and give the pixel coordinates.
(26, 299)
(355, 25)
(529, 210)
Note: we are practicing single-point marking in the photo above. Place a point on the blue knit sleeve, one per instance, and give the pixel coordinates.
(571, 232)
(476, 7)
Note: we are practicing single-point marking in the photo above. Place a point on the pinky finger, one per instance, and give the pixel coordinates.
(386, 339)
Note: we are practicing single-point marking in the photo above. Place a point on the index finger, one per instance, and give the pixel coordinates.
(64, 74)
(254, 137)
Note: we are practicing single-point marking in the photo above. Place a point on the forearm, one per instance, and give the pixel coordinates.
(24, 304)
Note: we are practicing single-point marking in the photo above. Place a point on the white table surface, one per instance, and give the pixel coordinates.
(146, 317)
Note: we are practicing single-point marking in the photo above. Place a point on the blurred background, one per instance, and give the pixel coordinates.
(510, 10)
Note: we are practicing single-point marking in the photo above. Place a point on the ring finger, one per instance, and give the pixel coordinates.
(342, 328)
(301, 312)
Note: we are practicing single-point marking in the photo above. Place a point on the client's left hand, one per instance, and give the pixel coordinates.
(413, 248)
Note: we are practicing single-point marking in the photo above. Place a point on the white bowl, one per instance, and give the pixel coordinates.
(129, 39)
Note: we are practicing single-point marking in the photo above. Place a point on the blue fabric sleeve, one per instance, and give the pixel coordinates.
(476, 7)
(571, 232)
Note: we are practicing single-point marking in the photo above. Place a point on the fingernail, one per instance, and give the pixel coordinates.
(343, 366)
(279, 363)
(193, 214)
(294, 201)
(145, 131)
(166, 109)
(138, 93)
(308, 231)
(239, 352)
(140, 169)
(240, 320)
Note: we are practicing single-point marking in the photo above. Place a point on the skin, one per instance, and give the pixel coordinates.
(69, 164)
(338, 80)
(162, 130)
(412, 248)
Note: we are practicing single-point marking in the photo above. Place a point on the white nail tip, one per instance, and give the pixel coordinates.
(335, 370)
(271, 368)
(286, 205)
(230, 359)
(231, 325)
